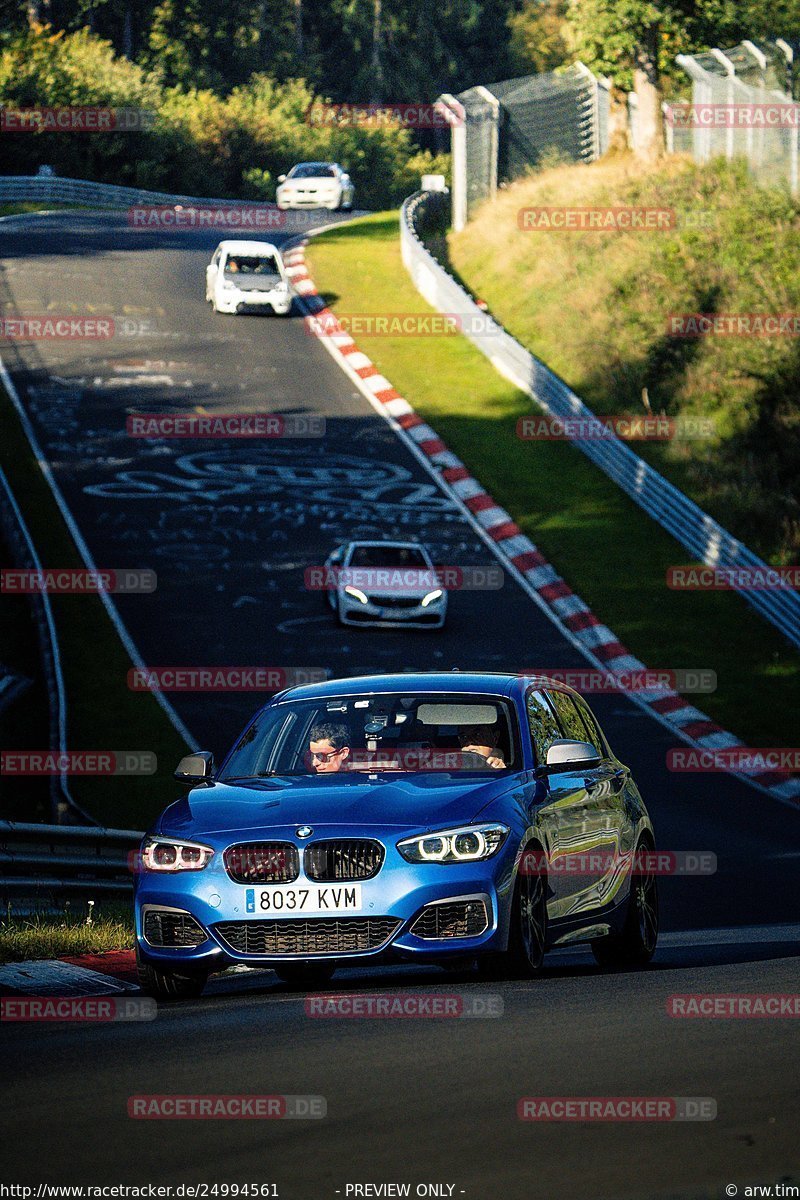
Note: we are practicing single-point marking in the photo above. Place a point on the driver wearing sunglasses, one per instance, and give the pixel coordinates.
(329, 748)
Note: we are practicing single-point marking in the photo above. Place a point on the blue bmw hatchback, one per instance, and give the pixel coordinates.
(430, 817)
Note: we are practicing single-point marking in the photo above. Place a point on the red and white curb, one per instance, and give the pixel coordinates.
(540, 579)
(81, 975)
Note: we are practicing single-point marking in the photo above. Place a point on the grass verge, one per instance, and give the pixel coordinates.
(606, 548)
(101, 712)
(38, 937)
(597, 307)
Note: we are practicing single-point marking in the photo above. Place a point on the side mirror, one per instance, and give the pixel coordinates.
(281, 179)
(565, 754)
(195, 768)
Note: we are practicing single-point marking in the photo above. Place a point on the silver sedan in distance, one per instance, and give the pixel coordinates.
(385, 584)
(315, 185)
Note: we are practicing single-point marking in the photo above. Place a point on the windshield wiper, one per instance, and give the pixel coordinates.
(247, 778)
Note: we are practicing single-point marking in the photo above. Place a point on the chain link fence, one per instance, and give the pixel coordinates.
(501, 130)
(741, 106)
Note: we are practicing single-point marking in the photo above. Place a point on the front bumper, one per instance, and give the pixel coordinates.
(397, 893)
(377, 614)
(326, 200)
(231, 300)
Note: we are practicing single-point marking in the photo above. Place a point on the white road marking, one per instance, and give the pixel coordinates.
(285, 625)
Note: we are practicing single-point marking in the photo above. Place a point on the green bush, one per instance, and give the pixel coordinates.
(201, 143)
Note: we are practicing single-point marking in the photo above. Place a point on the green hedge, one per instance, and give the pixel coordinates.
(200, 143)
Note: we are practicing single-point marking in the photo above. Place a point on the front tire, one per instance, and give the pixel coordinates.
(337, 608)
(635, 945)
(528, 933)
(169, 986)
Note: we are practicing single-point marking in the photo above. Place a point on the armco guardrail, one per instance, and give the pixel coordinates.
(23, 550)
(703, 537)
(48, 859)
(53, 189)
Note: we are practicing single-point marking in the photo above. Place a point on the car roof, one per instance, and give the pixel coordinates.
(492, 683)
(315, 163)
(381, 545)
(243, 247)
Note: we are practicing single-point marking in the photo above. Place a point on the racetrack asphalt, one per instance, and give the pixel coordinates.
(230, 527)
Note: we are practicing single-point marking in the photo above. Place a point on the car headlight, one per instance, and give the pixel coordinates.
(468, 843)
(356, 593)
(431, 596)
(167, 854)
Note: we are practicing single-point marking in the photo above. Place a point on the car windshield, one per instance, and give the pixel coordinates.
(395, 733)
(312, 171)
(387, 556)
(252, 264)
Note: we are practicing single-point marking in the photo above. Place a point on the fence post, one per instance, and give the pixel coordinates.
(494, 141)
(456, 116)
(595, 106)
(666, 113)
(730, 71)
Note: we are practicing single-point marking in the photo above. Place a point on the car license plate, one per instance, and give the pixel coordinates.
(308, 899)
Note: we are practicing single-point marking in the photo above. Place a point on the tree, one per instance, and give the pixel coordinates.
(624, 39)
(636, 41)
(539, 36)
(377, 65)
